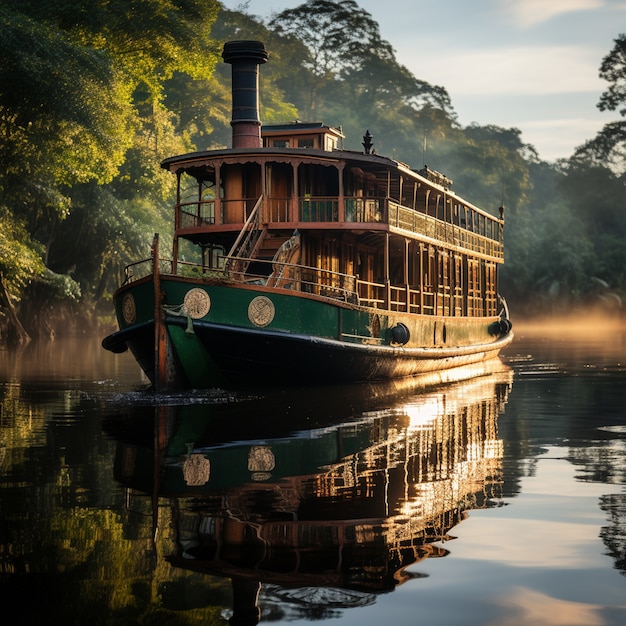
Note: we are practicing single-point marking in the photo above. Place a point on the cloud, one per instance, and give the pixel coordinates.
(528, 13)
(556, 138)
(526, 607)
(527, 70)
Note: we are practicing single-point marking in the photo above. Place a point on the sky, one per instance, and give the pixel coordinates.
(526, 64)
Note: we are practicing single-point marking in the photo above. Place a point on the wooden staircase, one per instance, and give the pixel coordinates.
(268, 245)
(254, 244)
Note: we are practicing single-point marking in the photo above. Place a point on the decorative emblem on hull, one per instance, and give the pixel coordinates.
(261, 462)
(129, 310)
(196, 470)
(197, 303)
(261, 311)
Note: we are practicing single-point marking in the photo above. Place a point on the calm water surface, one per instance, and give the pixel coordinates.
(498, 499)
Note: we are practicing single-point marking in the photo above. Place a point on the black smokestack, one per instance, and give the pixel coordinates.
(245, 58)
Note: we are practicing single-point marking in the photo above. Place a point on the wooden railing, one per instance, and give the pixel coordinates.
(453, 234)
(487, 242)
(196, 214)
(363, 209)
(248, 235)
(328, 284)
(318, 209)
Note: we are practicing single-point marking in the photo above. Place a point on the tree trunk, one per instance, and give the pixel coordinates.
(16, 333)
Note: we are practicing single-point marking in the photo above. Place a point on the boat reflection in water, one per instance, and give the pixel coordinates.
(332, 511)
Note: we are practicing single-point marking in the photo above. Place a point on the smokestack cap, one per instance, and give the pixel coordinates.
(244, 50)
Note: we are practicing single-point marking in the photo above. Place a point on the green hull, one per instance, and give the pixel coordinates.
(227, 334)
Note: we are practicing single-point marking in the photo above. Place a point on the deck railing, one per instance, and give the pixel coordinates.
(363, 209)
(288, 276)
(318, 209)
(301, 278)
(196, 214)
(141, 269)
(453, 234)
(324, 283)
(486, 239)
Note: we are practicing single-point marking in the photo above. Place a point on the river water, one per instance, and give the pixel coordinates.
(494, 498)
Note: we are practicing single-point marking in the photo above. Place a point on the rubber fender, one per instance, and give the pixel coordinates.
(505, 326)
(400, 334)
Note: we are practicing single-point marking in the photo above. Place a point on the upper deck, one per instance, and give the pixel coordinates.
(296, 182)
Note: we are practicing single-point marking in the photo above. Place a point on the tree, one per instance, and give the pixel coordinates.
(595, 179)
(203, 105)
(338, 35)
(609, 145)
(342, 42)
(81, 103)
(64, 115)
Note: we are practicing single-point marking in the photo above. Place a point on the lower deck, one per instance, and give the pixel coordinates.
(382, 270)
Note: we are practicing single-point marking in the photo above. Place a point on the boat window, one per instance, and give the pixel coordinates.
(470, 220)
(306, 142)
(280, 143)
(440, 208)
(317, 180)
(207, 190)
(462, 216)
(188, 188)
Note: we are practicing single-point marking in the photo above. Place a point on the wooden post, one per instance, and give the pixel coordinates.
(341, 205)
(387, 277)
(177, 224)
(407, 286)
(161, 414)
(160, 332)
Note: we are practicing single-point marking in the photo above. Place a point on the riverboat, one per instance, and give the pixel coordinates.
(297, 261)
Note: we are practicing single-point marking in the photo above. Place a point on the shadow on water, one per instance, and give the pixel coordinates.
(311, 504)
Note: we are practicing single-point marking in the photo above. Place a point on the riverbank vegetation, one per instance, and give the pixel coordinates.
(93, 95)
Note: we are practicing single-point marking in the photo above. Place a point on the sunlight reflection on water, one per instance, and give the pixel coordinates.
(538, 539)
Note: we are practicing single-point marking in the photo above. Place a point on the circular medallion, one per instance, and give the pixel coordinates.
(261, 459)
(197, 303)
(261, 311)
(196, 470)
(129, 311)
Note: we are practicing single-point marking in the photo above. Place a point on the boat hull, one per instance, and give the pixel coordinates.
(309, 340)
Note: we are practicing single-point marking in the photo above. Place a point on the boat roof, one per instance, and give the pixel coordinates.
(370, 162)
(298, 127)
(194, 158)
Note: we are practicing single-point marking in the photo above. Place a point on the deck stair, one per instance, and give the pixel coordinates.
(268, 245)
(246, 243)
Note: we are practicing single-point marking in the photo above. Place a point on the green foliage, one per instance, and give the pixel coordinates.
(107, 233)
(61, 286)
(613, 70)
(148, 40)
(20, 259)
(594, 184)
(609, 146)
(339, 41)
(81, 107)
(64, 113)
(338, 35)
(95, 93)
